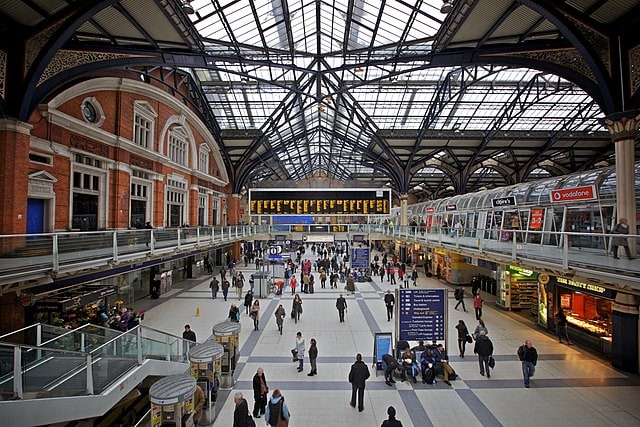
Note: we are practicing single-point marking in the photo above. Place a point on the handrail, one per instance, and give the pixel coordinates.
(35, 325)
(35, 347)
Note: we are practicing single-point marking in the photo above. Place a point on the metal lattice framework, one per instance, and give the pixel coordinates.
(379, 92)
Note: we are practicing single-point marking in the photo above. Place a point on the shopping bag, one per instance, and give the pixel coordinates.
(294, 353)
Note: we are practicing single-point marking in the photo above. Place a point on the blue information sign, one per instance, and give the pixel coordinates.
(422, 314)
(360, 258)
(383, 345)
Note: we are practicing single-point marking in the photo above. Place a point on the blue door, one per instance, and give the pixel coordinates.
(35, 216)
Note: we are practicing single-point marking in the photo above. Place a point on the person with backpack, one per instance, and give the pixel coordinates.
(484, 349)
(459, 296)
(528, 355)
(277, 413)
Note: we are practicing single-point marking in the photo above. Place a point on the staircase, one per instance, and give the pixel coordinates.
(79, 374)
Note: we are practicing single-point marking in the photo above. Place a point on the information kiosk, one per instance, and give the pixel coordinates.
(228, 335)
(172, 401)
(205, 360)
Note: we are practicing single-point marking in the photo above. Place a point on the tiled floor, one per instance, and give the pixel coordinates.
(571, 386)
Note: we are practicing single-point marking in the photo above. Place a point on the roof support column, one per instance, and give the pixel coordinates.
(623, 128)
(403, 210)
(14, 175)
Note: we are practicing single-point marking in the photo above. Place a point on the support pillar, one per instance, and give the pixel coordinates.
(623, 128)
(14, 175)
(403, 211)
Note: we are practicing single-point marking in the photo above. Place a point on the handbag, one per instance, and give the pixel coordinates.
(281, 421)
(469, 339)
(492, 362)
(294, 353)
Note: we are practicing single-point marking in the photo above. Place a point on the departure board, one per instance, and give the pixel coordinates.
(295, 201)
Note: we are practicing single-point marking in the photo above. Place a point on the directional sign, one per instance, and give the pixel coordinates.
(422, 314)
(359, 258)
(275, 250)
(503, 201)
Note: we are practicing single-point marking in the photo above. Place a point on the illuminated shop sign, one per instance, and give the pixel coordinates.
(451, 208)
(503, 201)
(588, 192)
(587, 288)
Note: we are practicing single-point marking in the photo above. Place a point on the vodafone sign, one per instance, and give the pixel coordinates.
(587, 192)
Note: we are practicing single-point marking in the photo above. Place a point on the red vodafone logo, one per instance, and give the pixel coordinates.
(587, 192)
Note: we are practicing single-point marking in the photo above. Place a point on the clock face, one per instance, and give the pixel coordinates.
(89, 112)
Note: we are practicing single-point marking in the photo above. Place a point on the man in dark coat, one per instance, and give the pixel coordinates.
(389, 301)
(241, 413)
(484, 349)
(357, 377)
(391, 364)
(260, 393)
(341, 305)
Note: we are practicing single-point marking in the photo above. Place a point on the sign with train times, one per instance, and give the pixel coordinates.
(320, 201)
(422, 314)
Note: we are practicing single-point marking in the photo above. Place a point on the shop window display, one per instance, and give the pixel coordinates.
(587, 313)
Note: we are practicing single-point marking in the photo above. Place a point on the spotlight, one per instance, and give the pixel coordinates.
(447, 6)
(187, 8)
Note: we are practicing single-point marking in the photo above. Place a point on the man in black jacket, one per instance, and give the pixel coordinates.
(341, 305)
(484, 349)
(389, 301)
(241, 412)
(528, 355)
(357, 377)
(391, 364)
(260, 393)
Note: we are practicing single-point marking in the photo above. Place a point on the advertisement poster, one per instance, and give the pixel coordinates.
(383, 345)
(422, 314)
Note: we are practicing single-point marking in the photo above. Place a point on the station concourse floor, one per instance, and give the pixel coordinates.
(571, 385)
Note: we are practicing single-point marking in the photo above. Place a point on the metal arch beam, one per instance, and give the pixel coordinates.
(78, 16)
(558, 18)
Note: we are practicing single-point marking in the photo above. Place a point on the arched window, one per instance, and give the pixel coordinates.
(177, 146)
(143, 124)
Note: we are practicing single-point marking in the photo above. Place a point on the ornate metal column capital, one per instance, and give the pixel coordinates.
(623, 126)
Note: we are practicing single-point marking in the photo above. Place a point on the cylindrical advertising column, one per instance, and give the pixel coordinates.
(205, 361)
(228, 335)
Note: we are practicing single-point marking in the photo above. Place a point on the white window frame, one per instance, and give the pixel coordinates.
(102, 191)
(203, 159)
(139, 182)
(178, 145)
(144, 118)
(176, 193)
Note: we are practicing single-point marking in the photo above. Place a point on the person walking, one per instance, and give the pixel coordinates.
(560, 320)
(241, 411)
(528, 355)
(459, 296)
(358, 374)
(293, 282)
(414, 278)
(296, 308)
(248, 300)
(239, 284)
(225, 287)
(622, 227)
(260, 393)
(255, 314)
(277, 411)
(300, 347)
(313, 355)
(214, 285)
(280, 314)
(477, 305)
(351, 284)
(391, 421)
(405, 279)
(484, 349)
(480, 327)
(341, 305)
(463, 333)
(389, 301)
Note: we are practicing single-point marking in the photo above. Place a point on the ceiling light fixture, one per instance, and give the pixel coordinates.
(447, 6)
(187, 8)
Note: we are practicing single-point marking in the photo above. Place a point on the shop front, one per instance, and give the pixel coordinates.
(518, 289)
(74, 307)
(589, 311)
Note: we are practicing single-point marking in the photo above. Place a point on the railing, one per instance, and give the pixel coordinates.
(30, 371)
(27, 256)
(561, 250)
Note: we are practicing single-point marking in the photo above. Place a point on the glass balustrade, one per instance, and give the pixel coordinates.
(161, 346)
(113, 359)
(52, 373)
(6, 372)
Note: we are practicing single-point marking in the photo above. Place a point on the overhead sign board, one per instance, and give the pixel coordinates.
(587, 192)
(422, 314)
(503, 201)
(297, 201)
(359, 258)
(450, 208)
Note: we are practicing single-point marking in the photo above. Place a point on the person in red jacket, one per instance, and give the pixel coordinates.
(477, 304)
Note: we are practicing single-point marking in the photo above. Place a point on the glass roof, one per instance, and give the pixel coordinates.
(321, 81)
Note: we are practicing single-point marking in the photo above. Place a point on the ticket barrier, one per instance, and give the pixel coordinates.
(205, 366)
(228, 335)
(172, 401)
